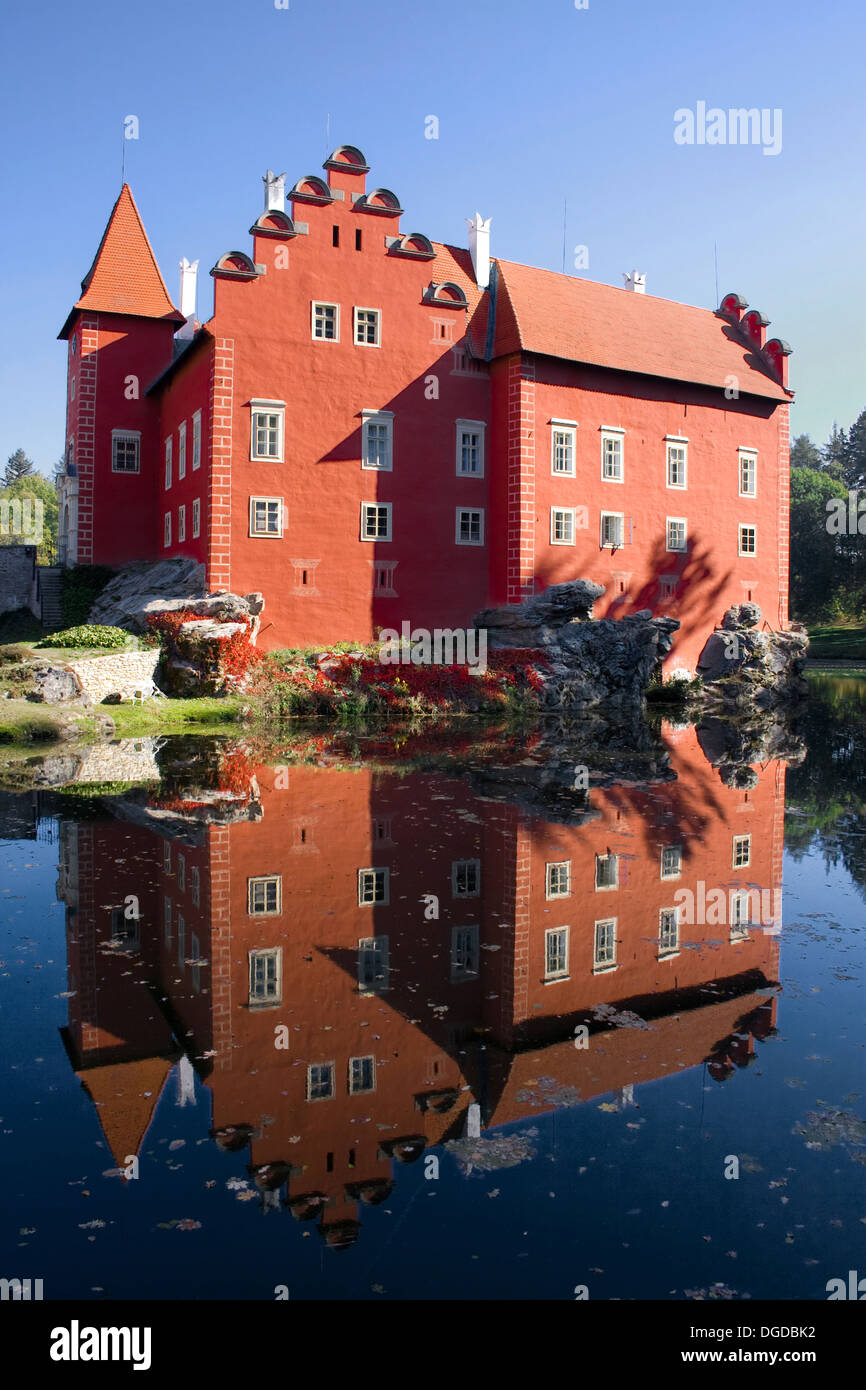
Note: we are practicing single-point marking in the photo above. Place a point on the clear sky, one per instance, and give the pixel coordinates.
(539, 104)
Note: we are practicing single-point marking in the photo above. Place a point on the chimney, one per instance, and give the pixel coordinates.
(188, 277)
(275, 191)
(635, 281)
(479, 249)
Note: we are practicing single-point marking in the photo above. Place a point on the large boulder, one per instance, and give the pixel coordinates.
(586, 662)
(744, 666)
(124, 600)
(54, 685)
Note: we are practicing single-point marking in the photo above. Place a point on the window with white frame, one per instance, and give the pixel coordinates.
(373, 887)
(266, 516)
(669, 931)
(677, 451)
(196, 517)
(267, 425)
(181, 450)
(181, 873)
(563, 448)
(368, 324)
(469, 526)
(557, 879)
(668, 586)
(196, 440)
(181, 522)
(326, 322)
(556, 953)
(166, 917)
(671, 861)
(470, 448)
(676, 533)
(266, 976)
(748, 473)
(740, 912)
(265, 895)
(72, 388)
(166, 529)
(612, 528)
(464, 953)
(466, 878)
(606, 871)
(604, 945)
(320, 1081)
(166, 858)
(362, 1075)
(195, 886)
(125, 451)
(375, 521)
(748, 540)
(742, 851)
(168, 447)
(612, 443)
(377, 432)
(181, 940)
(374, 968)
(562, 526)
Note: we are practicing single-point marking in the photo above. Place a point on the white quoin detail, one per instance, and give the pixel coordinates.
(275, 191)
(188, 279)
(479, 249)
(635, 281)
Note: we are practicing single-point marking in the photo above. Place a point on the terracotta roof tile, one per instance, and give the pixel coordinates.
(558, 315)
(124, 277)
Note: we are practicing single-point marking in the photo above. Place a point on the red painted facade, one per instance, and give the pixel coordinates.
(536, 371)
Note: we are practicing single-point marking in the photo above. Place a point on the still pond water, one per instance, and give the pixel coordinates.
(355, 1030)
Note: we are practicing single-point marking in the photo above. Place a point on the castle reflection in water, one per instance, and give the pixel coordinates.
(366, 964)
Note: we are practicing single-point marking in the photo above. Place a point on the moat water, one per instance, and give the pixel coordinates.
(362, 1026)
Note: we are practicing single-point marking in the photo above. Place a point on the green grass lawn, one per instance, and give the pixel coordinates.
(837, 643)
(201, 716)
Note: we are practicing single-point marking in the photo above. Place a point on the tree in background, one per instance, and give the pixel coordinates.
(30, 488)
(18, 465)
(828, 563)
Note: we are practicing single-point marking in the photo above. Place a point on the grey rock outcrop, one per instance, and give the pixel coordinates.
(54, 685)
(586, 662)
(124, 600)
(745, 666)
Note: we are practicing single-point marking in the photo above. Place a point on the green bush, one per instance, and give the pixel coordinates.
(88, 635)
(81, 585)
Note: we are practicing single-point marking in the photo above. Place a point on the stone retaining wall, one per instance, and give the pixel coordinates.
(128, 760)
(120, 674)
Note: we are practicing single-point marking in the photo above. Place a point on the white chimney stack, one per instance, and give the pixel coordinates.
(188, 278)
(275, 191)
(479, 249)
(635, 281)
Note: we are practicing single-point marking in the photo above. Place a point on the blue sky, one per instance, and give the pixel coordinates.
(538, 103)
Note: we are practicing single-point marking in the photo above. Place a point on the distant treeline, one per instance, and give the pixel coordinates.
(828, 551)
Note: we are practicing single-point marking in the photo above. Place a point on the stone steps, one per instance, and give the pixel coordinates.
(50, 588)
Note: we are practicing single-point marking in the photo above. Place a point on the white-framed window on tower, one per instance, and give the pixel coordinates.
(470, 448)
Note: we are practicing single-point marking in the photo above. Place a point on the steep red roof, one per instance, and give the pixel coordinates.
(124, 277)
(561, 316)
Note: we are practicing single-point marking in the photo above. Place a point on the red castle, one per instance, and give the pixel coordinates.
(375, 427)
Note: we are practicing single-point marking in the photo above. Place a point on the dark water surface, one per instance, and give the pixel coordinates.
(378, 1032)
